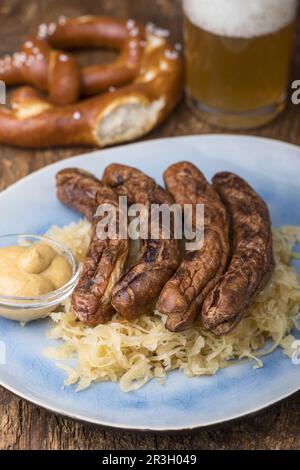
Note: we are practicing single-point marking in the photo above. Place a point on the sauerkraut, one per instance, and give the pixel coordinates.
(135, 352)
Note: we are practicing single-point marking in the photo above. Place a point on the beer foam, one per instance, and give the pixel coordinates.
(240, 18)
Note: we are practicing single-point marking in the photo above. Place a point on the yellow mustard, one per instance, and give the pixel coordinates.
(32, 271)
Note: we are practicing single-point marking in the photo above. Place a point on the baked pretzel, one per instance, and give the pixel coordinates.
(47, 69)
(57, 72)
(113, 117)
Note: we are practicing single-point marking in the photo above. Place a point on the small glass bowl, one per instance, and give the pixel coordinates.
(26, 309)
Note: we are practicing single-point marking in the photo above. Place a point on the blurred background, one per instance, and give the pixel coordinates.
(18, 18)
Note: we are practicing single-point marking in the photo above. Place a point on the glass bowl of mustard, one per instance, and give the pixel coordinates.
(36, 275)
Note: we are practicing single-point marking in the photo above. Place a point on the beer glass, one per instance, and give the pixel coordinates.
(237, 56)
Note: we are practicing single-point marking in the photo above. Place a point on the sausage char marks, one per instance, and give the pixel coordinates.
(252, 259)
(200, 270)
(139, 288)
(91, 299)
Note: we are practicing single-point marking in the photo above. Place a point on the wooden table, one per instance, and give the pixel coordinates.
(24, 426)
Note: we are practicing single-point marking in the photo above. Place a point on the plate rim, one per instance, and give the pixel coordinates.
(160, 429)
(145, 142)
(150, 429)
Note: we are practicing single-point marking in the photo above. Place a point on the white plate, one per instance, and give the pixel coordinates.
(273, 168)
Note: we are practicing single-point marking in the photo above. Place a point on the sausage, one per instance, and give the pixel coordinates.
(252, 260)
(200, 270)
(79, 190)
(91, 299)
(139, 288)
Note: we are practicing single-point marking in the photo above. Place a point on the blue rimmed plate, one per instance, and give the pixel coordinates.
(30, 206)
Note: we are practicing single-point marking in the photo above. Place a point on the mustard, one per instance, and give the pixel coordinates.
(32, 271)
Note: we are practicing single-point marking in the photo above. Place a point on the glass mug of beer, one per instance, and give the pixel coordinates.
(237, 57)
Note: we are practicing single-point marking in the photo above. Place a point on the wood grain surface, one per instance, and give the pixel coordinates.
(24, 426)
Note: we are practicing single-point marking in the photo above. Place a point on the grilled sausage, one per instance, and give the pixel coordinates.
(79, 190)
(182, 296)
(91, 299)
(139, 288)
(252, 259)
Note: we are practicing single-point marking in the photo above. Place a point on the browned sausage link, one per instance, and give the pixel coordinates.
(105, 259)
(140, 286)
(200, 270)
(252, 259)
(79, 190)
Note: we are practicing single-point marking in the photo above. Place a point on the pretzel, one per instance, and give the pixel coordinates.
(57, 72)
(112, 117)
(47, 69)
